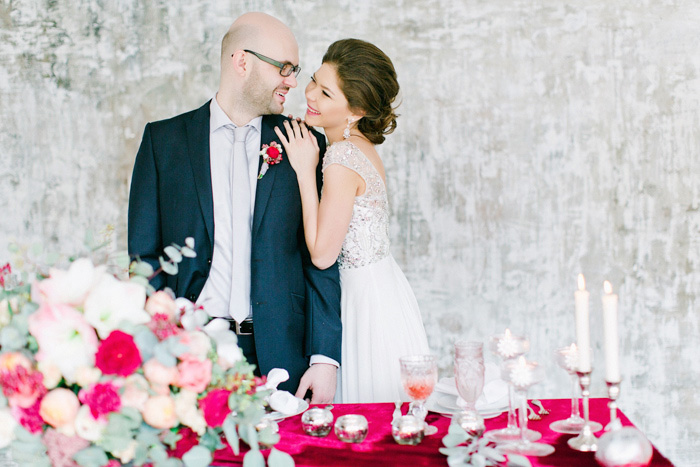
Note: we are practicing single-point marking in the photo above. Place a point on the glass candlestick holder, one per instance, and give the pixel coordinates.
(613, 394)
(586, 441)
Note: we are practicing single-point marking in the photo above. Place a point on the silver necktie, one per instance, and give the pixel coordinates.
(239, 304)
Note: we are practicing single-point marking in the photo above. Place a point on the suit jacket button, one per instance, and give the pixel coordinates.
(209, 262)
(192, 297)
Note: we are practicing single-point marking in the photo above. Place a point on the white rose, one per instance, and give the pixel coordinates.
(52, 373)
(135, 392)
(188, 413)
(7, 427)
(87, 427)
(112, 301)
(85, 376)
(199, 345)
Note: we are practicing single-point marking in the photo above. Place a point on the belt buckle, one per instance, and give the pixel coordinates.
(237, 327)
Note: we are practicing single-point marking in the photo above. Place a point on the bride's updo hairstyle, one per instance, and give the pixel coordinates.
(368, 81)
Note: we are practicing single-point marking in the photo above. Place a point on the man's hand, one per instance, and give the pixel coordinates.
(320, 378)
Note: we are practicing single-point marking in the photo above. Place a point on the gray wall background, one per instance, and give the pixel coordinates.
(538, 139)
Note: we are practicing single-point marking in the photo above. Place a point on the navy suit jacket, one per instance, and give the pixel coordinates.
(296, 306)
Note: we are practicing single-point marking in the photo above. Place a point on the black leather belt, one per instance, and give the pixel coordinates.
(244, 328)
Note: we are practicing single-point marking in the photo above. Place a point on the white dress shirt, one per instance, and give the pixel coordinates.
(217, 289)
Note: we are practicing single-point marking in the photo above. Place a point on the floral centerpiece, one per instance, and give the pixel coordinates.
(94, 372)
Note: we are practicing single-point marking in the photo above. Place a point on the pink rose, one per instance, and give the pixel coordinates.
(118, 355)
(10, 360)
(215, 407)
(59, 407)
(162, 303)
(160, 376)
(188, 440)
(194, 374)
(198, 345)
(102, 398)
(159, 412)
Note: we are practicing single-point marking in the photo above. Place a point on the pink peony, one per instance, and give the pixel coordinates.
(215, 407)
(61, 448)
(118, 355)
(64, 337)
(23, 387)
(194, 374)
(102, 398)
(29, 418)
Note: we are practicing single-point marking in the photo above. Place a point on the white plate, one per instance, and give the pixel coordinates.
(434, 404)
(277, 416)
(449, 401)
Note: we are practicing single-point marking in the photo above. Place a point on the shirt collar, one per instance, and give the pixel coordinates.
(218, 118)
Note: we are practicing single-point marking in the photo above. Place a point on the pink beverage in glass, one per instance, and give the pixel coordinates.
(419, 389)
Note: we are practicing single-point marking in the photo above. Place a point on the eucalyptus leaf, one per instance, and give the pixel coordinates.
(173, 254)
(168, 268)
(516, 460)
(142, 268)
(188, 252)
(121, 259)
(169, 462)
(162, 353)
(253, 459)
(198, 456)
(279, 458)
(189, 241)
(231, 434)
(158, 453)
(11, 338)
(91, 457)
(140, 280)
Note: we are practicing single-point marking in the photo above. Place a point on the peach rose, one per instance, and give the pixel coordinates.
(160, 376)
(161, 302)
(10, 360)
(198, 345)
(159, 412)
(59, 407)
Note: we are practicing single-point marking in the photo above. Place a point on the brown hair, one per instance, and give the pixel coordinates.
(368, 81)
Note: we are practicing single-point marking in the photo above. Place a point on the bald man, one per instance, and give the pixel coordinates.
(198, 175)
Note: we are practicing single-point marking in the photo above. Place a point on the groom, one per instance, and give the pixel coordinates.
(196, 175)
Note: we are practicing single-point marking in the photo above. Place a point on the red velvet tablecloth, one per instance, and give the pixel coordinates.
(380, 449)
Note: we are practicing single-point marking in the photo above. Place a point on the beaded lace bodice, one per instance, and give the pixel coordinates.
(367, 240)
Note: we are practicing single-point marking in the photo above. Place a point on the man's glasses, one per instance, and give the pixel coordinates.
(286, 69)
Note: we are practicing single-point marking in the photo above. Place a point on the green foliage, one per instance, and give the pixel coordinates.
(477, 452)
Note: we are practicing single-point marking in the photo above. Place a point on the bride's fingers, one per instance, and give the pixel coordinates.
(282, 138)
(297, 129)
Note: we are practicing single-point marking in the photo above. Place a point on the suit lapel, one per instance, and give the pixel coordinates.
(198, 148)
(264, 185)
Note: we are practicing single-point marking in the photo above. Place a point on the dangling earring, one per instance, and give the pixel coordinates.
(346, 132)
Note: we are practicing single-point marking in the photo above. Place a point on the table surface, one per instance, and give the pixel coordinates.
(379, 448)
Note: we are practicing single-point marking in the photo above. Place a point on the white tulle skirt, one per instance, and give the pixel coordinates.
(381, 322)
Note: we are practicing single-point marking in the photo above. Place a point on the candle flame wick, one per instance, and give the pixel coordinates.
(607, 287)
(581, 282)
(507, 334)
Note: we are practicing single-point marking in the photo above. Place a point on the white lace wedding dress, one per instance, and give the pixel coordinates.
(380, 315)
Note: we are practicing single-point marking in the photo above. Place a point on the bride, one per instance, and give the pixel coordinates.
(351, 97)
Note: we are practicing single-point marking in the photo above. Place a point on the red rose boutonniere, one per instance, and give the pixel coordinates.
(271, 154)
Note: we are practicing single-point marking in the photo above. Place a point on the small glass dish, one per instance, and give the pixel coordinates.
(351, 428)
(317, 422)
(408, 430)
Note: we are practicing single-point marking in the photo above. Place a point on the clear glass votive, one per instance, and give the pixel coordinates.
(351, 428)
(317, 422)
(408, 429)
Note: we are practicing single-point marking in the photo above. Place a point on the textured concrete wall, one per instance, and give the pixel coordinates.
(538, 139)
